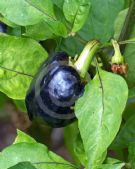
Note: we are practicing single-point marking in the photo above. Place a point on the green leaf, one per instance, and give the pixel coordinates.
(26, 12)
(98, 111)
(45, 6)
(119, 22)
(31, 12)
(112, 161)
(131, 150)
(129, 110)
(20, 59)
(16, 31)
(3, 99)
(36, 153)
(60, 15)
(132, 93)
(71, 132)
(58, 3)
(20, 12)
(44, 33)
(79, 150)
(100, 23)
(23, 165)
(22, 138)
(7, 22)
(58, 28)
(127, 3)
(71, 45)
(129, 58)
(126, 134)
(3, 104)
(20, 105)
(112, 166)
(76, 12)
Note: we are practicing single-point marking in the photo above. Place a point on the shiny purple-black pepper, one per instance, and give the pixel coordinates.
(53, 92)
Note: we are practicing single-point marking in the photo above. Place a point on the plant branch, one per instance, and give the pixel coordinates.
(128, 25)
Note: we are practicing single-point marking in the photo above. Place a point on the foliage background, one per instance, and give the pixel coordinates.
(36, 29)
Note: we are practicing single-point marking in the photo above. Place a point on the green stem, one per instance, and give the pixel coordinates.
(85, 58)
(128, 25)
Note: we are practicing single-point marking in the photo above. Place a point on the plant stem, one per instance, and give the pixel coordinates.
(128, 25)
(85, 58)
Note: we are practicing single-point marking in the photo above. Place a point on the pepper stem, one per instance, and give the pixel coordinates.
(116, 47)
(117, 58)
(85, 58)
